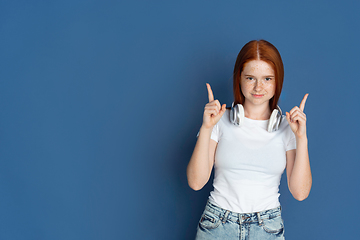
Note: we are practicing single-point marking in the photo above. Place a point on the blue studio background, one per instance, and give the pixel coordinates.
(100, 103)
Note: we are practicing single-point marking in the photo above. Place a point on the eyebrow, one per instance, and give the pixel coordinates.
(248, 75)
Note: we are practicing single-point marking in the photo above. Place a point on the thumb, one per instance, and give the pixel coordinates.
(288, 117)
(222, 110)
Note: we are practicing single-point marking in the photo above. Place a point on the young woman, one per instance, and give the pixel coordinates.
(249, 145)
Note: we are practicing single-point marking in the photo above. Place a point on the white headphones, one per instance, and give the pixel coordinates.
(237, 116)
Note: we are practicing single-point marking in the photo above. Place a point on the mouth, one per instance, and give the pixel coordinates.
(257, 95)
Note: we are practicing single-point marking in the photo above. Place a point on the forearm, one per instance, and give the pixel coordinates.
(199, 167)
(301, 179)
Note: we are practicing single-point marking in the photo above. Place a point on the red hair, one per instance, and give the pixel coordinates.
(259, 50)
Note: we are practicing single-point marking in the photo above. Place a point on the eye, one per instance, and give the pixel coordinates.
(268, 79)
(249, 78)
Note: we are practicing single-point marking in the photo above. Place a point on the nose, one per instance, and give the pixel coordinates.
(258, 85)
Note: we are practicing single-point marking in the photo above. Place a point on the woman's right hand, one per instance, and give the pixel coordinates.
(213, 111)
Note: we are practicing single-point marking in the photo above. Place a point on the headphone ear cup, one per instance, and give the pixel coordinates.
(275, 120)
(237, 114)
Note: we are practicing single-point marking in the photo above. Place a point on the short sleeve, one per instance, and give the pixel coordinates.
(291, 143)
(214, 133)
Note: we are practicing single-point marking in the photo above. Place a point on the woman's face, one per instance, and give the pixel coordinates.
(257, 82)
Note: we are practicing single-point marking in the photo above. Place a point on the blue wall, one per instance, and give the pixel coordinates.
(100, 103)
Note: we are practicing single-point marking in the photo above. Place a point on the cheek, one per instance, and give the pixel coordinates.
(245, 88)
(272, 89)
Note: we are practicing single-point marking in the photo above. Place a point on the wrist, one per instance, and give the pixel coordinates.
(302, 138)
(206, 128)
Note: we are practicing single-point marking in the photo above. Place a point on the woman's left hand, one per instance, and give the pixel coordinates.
(297, 119)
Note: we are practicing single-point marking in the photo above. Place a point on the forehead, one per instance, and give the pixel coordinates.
(258, 67)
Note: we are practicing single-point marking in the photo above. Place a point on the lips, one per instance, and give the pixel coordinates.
(258, 95)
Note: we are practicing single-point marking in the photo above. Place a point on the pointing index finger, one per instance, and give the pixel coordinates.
(302, 104)
(210, 93)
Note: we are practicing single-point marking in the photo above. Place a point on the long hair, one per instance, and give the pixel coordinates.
(258, 50)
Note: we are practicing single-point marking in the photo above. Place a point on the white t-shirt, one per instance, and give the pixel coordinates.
(249, 162)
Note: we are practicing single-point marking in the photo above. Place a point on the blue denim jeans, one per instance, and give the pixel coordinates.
(218, 223)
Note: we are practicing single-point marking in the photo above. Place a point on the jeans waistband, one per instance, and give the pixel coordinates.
(243, 217)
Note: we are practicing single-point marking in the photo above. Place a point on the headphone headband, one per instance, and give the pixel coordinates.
(237, 116)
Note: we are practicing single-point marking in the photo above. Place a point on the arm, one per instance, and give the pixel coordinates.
(298, 170)
(297, 161)
(202, 160)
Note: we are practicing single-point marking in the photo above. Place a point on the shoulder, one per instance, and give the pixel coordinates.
(285, 128)
(284, 122)
(225, 119)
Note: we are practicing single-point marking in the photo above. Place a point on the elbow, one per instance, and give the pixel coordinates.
(300, 193)
(195, 182)
(195, 186)
(300, 196)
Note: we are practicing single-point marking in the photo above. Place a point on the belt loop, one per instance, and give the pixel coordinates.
(226, 216)
(241, 218)
(259, 219)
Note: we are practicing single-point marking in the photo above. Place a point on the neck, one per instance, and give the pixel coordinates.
(257, 112)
